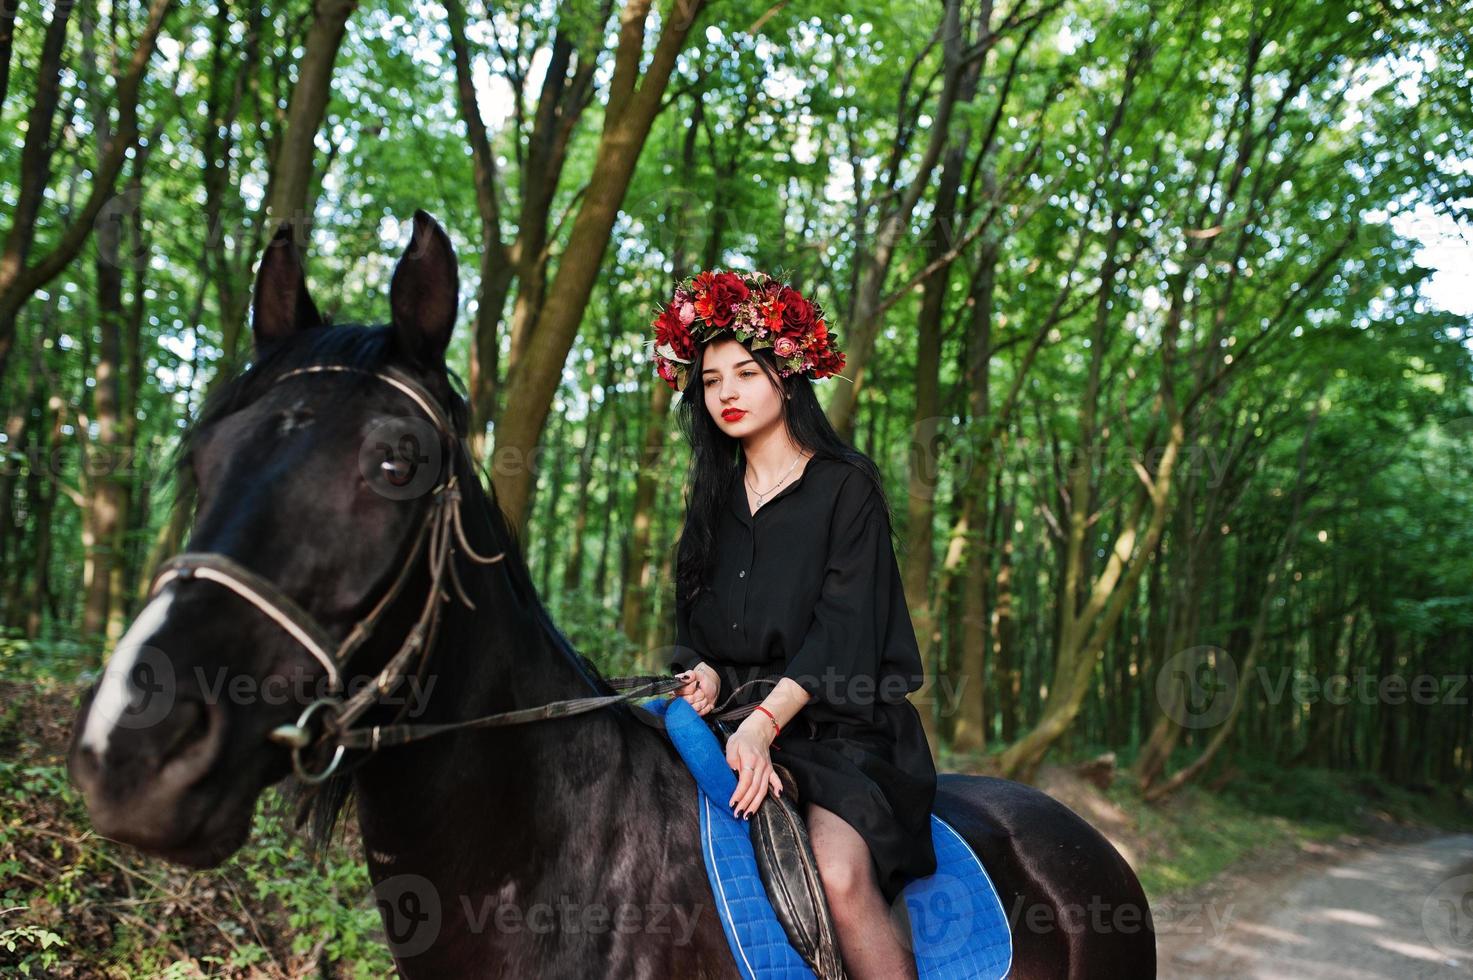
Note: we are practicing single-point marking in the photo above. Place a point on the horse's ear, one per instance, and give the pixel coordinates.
(425, 293)
(281, 306)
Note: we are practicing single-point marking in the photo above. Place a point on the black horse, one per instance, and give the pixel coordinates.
(344, 550)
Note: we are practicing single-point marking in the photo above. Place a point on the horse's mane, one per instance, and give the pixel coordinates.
(370, 348)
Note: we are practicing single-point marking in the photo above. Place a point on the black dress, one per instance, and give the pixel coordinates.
(809, 588)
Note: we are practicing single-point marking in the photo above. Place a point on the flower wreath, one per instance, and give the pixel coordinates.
(755, 307)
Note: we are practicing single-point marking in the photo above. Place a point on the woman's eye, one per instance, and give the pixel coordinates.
(743, 374)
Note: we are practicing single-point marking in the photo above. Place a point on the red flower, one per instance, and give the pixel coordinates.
(818, 339)
(826, 363)
(666, 370)
(798, 314)
(717, 305)
(669, 330)
(770, 305)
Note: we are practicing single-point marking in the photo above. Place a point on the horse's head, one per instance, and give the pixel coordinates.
(319, 474)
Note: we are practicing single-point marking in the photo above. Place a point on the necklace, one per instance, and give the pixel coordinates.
(761, 495)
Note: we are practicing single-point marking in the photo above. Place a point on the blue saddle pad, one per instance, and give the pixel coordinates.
(958, 928)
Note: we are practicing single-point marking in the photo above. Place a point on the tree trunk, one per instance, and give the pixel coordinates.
(551, 528)
(630, 112)
(41, 492)
(610, 534)
(641, 569)
(18, 439)
(1090, 610)
(19, 278)
(232, 73)
(1009, 679)
(873, 263)
(1275, 580)
(293, 168)
(928, 456)
(104, 467)
(7, 45)
(593, 439)
(496, 268)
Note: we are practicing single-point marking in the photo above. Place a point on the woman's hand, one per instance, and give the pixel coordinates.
(748, 754)
(702, 686)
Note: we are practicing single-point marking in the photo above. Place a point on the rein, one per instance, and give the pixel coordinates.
(440, 536)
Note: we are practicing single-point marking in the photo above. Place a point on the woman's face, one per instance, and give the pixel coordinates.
(739, 394)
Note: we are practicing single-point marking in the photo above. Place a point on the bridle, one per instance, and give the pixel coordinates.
(440, 536)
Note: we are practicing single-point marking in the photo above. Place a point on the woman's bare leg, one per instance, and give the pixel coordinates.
(869, 940)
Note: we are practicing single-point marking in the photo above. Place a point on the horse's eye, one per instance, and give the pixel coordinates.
(399, 464)
(397, 471)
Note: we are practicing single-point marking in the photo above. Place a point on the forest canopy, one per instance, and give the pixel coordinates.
(1136, 326)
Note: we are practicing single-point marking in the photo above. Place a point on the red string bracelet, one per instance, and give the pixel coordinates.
(774, 720)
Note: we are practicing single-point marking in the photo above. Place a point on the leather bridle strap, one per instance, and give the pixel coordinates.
(416, 394)
(440, 536)
(387, 736)
(280, 608)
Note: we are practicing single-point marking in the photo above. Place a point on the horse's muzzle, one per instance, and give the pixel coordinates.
(141, 783)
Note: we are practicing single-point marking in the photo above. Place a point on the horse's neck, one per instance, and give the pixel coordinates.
(499, 806)
(503, 832)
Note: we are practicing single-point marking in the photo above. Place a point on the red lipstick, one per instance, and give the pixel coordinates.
(732, 414)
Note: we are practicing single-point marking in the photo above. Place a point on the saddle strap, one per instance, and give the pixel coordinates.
(789, 871)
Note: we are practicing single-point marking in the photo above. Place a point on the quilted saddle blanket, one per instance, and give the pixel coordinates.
(958, 927)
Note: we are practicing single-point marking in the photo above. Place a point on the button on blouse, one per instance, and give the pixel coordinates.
(823, 605)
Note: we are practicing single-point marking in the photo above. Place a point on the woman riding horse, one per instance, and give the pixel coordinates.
(787, 583)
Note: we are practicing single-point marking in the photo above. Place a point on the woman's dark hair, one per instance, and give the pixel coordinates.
(716, 460)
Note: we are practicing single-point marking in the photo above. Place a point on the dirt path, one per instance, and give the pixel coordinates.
(1360, 910)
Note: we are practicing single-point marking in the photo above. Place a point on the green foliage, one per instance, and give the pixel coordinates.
(268, 906)
(1220, 207)
(33, 944)
(1264, 808)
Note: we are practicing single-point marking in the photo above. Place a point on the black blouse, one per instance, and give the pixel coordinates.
(806, 588)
